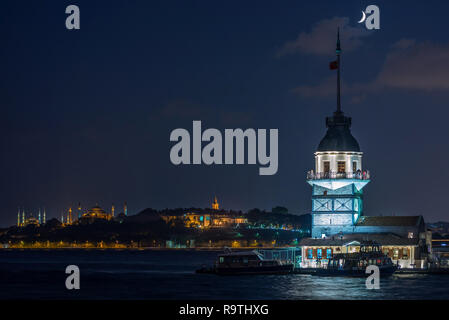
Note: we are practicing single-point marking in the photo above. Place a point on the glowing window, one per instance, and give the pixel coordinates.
(341, 166)
(319, 253)
(404, 253)
(329, 253)
(395, 254)
(309, 254)
(327, 166)
(354, 166)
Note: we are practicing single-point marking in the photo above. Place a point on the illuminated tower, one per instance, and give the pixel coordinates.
(18, 218)
(62, 218)
(69, 216)
(125, 209)
(39, 216)
(215, 204)
(45, 217)
(338, 179)
(23, 217)
(113, 210)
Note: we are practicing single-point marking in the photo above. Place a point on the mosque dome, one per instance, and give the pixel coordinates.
(338, 136)
(97, 212)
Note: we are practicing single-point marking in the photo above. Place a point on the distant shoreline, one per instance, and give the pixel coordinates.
(142, 248)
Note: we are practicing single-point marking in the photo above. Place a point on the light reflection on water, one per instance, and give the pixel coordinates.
(170, 275)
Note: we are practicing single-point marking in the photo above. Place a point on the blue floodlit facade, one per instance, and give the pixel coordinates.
(336, 205)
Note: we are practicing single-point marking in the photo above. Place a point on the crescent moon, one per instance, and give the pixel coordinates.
(363, 17)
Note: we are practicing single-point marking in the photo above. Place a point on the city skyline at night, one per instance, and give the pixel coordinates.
(211, 159)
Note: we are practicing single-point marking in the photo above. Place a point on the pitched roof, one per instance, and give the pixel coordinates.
(397, 221)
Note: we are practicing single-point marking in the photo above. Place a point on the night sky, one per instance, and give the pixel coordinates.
(86, 114)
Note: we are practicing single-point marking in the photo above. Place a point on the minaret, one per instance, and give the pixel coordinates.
(113, 210)
(23, 216)
(45, 217)
(18, 218)
(69, 218)
(39, 216)
(215, 204)
(338, 179)
(79, 210)
(125, 209)
(62, 218)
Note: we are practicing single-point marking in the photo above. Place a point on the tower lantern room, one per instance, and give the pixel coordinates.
(338, 153)
(338, 178)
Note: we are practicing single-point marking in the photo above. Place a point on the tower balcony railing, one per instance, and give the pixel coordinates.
(360, 175)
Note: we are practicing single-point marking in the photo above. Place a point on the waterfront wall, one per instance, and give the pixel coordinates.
(145, 244)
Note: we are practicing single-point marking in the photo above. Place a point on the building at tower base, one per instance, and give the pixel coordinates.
(410, 253)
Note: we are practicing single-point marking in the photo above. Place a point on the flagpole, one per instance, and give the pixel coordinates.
(338, 51)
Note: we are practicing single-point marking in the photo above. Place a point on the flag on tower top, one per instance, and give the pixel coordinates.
(333, 65)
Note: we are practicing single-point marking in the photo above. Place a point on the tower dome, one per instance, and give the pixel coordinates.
(338, 136)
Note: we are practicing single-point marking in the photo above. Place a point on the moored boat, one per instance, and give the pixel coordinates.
(247, 263)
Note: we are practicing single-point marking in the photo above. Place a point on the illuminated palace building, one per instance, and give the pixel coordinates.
(338, 221)
(215, 218)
